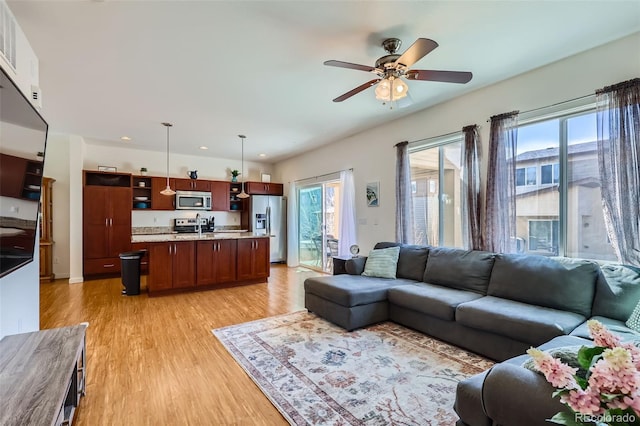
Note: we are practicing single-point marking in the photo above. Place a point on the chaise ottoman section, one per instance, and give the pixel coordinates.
(350, 301)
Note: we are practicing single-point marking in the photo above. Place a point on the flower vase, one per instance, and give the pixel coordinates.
(234, 178)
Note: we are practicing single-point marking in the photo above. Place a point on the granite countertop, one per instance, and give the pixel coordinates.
(217, 235)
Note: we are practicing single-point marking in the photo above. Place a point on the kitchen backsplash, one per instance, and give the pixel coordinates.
(164, 219)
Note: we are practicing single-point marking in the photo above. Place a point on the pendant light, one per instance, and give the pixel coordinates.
(168, 190)
(242, 194)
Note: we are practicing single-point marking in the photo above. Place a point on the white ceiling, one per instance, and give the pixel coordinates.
(219, 68)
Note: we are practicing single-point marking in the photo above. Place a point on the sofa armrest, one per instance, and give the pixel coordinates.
(515, 396)
(355, 266)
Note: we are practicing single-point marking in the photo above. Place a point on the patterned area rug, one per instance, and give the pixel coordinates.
(317, 373)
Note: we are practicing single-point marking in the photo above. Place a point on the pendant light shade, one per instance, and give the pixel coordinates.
(168, 190)
(242, 194)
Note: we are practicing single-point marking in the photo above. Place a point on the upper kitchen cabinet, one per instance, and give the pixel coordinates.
(159, 201)
(219, 195)
(264, 188)
(141, 190)
(20, 177)
(193, 185)
(106, 221)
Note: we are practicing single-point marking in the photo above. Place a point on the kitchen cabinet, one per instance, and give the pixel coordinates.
(253, 258)
(144, 262)
(171, 265)
(20, 177)
(235, 204)
(264, 188)
(141, 190)
(219, 196)
(216, 262)
(193, 185)
(159, 201)
(106, 221)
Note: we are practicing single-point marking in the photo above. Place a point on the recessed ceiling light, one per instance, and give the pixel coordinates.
(125, 138)
(262, 155)
(204, 147)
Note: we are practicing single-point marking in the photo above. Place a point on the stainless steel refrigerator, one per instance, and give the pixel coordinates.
(268, 215)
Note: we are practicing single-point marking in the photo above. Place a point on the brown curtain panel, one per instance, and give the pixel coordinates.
(618, 122)
(404, 202)
(471, 197)
(500, 213)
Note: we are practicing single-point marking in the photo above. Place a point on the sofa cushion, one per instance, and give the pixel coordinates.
(519, 321)
(617, 291)
(430, 299)
(382, 263)
(615, 326)
(351, 290)
(559, 283)
(457, 268)
(634, 320)
(412, 260)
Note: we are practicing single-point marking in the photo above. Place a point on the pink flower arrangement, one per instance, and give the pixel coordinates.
(609, 393)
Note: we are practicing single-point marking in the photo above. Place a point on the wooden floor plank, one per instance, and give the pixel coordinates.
(155, 361)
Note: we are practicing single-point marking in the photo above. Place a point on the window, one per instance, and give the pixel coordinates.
(550, 173)
(562, 213)
(526, 176)
(435, 170)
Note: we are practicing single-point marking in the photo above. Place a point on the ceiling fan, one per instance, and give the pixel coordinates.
(390, 70)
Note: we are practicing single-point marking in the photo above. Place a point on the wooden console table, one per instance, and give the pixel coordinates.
(42, 376)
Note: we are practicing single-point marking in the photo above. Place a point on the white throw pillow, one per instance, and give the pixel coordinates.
(382, 263)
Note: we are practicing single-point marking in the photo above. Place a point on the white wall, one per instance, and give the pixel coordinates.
(20, 290)
(372, 153)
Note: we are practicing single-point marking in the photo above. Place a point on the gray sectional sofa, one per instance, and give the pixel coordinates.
(496, 305)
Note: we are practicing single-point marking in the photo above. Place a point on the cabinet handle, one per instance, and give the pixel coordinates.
(106, 222)
(18, 247)
(169, 248)
(109, 265)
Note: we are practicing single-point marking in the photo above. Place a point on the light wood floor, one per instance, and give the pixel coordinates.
(154, 361)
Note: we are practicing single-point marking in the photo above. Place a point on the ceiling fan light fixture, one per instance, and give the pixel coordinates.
(391, 89)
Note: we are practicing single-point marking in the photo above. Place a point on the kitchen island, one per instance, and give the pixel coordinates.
(186, 262)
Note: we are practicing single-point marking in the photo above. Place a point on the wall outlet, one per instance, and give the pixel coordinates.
(155, 219)
(56, 260)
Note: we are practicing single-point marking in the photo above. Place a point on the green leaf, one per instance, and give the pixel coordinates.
(586, 355)
(582, 382)
(564, 418)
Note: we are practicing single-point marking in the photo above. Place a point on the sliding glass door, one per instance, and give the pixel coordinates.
(318, 229)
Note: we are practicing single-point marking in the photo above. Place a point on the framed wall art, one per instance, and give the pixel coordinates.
(373, 194)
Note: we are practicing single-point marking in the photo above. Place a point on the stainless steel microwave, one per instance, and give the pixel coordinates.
(193, 200)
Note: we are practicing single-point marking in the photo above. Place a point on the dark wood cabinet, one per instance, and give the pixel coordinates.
(141, 191)
(20, 177)
(144, 262)
(159, 201)
(171, 265)
(262, 188)
(253, 258)
(216, 261)
(193, 185)
(219, 196)
(106, 222)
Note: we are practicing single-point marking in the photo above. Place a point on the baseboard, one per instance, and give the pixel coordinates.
(76, 280)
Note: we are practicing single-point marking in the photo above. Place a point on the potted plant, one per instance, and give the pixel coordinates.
(143, 171)
(234, 175)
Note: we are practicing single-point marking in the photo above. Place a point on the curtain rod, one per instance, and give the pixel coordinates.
(554, 105)
(319, 176)
(433, 137)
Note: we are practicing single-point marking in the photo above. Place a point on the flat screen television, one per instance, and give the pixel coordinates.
(23, 138)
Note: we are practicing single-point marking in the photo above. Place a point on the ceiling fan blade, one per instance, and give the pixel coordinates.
(342, 64)
(416, 51)
(357, 90)
(444, 76)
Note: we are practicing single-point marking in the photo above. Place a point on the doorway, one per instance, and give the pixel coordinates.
(319, 222)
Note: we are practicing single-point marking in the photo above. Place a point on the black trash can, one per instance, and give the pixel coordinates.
(130, 267)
